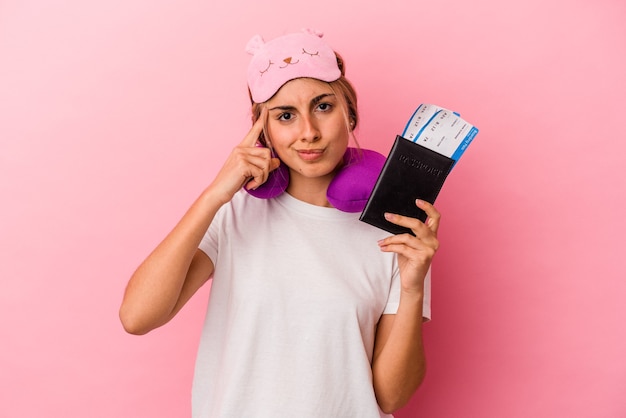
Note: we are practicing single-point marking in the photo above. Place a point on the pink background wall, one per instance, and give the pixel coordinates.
(114, 115)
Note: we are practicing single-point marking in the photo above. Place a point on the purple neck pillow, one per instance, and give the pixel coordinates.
(350, 188)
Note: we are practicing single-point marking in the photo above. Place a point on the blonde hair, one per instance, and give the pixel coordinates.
(343, 90)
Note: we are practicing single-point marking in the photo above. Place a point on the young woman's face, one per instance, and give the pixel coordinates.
(307, 128)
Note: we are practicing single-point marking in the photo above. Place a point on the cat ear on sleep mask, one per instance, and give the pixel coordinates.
(349, 189)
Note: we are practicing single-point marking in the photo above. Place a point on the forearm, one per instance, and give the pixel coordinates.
(154, 290)
(399, 366)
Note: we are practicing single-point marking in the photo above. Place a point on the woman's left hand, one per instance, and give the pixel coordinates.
(415, 253)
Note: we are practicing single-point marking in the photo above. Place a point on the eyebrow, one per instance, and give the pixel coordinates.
(321, 97)
(314, 101)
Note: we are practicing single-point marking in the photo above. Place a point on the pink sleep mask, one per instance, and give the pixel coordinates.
(350, 188)
(286, 58)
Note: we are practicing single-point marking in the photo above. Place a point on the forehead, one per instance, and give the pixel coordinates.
(300, 90)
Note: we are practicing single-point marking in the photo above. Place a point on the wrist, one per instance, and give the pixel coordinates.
(413, 291)
(413, 297)
(213, 196)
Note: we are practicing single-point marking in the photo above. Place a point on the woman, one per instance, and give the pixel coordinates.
(312, 313)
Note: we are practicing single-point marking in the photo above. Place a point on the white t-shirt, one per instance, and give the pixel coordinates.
(296, 295)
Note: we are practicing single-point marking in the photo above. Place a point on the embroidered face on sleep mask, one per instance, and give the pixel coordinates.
(286, 58)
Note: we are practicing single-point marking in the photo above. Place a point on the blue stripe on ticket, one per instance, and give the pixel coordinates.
(465, 143)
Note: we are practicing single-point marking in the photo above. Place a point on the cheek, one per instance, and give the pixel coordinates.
(279, 139)
(276, 134)
(341, 133)
(338, 124)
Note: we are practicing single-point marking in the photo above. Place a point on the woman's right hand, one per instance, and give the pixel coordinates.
(248, 164)
(176, 269)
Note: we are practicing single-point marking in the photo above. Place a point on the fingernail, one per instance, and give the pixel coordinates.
(388, 216)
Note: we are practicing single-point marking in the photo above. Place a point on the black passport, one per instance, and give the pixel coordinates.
(410, 172)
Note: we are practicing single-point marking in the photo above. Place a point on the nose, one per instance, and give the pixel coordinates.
(310, 131)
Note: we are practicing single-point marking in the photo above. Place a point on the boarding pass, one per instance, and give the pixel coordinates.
(440, 130)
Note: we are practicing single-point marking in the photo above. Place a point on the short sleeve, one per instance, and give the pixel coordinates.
(209, 243)
(394, 296)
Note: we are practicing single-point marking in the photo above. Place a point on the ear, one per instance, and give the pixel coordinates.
(254, 44)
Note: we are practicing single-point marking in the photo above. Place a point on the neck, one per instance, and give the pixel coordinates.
(310, 190)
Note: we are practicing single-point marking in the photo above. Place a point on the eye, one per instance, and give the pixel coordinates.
(324, 107)
(309, 53)
(285, 116)
(266, 69)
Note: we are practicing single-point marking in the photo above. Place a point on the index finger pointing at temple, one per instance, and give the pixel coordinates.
(250, 140)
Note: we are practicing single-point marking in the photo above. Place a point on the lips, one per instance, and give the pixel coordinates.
(310, 154)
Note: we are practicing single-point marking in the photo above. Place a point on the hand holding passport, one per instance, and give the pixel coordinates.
(417, 165)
